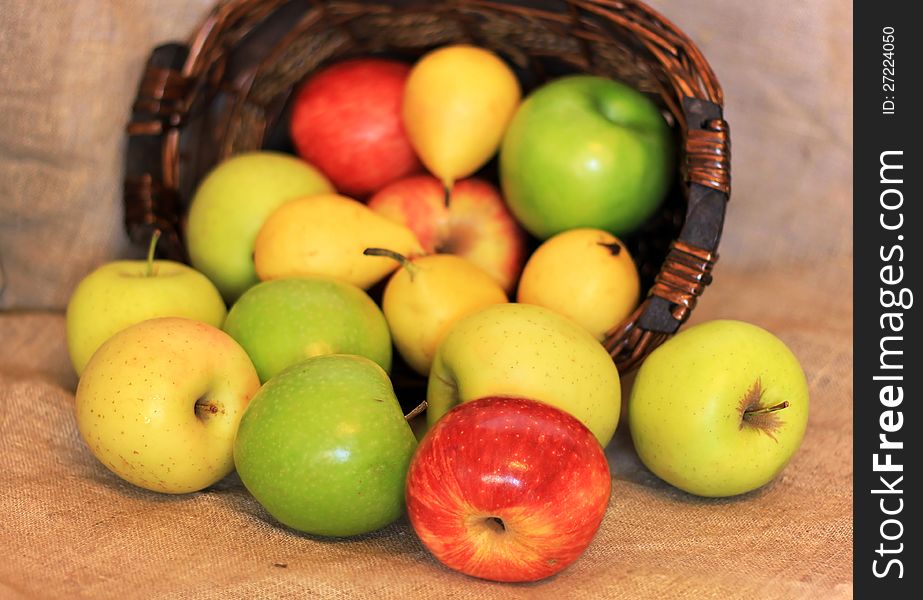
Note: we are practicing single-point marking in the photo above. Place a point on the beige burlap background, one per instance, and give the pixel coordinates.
(70, 529)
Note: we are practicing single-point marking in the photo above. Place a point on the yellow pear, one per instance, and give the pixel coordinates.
(585, 274)
(457, 104)
(427, 296)
(326, 235)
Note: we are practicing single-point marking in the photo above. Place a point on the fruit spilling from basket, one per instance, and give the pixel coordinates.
(385, 232)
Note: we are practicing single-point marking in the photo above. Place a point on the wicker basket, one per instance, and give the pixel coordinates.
(228, 91)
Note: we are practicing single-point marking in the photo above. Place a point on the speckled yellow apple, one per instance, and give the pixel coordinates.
(160, 402)
(584, 274)
(526, 351)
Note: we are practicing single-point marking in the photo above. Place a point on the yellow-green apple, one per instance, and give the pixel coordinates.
(230, 206)
(585, 151)
(324, 447)
(159, 403)
(284, 321)
(585, 274)
(349, 114)
(125, 292)
(719, 409)
(531, 352)
(427, 296)
(475, 224)
(508, 489)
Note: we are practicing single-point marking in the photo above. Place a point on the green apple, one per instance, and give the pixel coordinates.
(719, 409)
(160, 401)
(325, 448)
(585, 151)
(230, 206)
(284, 321)
(526, 351)
(125, 292)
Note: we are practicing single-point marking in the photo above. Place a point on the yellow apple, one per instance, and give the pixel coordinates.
(531, 352)
(160, 402)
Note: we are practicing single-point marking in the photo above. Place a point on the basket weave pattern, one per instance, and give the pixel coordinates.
(228, 90)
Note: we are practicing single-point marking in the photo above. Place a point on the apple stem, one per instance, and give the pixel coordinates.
(767, 409)
(416, 411)
(155, 237)
(384, 252)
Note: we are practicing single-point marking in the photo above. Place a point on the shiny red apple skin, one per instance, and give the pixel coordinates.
(532, 466)
(346, 121)
(475, 225)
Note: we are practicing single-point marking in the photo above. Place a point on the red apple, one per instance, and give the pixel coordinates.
(475, 224)
(507, 489)
(346, 121)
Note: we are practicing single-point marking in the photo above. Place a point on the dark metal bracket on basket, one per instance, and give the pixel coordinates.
(687, 270)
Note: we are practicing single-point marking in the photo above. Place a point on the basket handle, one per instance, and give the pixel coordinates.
(150, 202)
(687, 269)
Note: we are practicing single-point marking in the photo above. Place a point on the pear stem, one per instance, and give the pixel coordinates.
(416, 411)
(155, 237)
(767, 409)
(448, 195)
(384, 252)
(614, 248)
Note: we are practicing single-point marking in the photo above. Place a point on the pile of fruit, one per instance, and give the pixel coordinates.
(377, 236)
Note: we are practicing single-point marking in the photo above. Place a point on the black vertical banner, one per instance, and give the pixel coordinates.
(887, 171)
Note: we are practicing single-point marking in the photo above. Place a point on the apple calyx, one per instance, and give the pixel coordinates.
(496, 524)
(614, 248)
(400, 258)
(754, 414)
(206, 408)
(458, 239)
(155, 237)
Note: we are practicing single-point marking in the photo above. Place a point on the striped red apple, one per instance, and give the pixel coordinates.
(507, 489)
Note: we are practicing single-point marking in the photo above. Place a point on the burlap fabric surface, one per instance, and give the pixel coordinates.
(70, 529)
